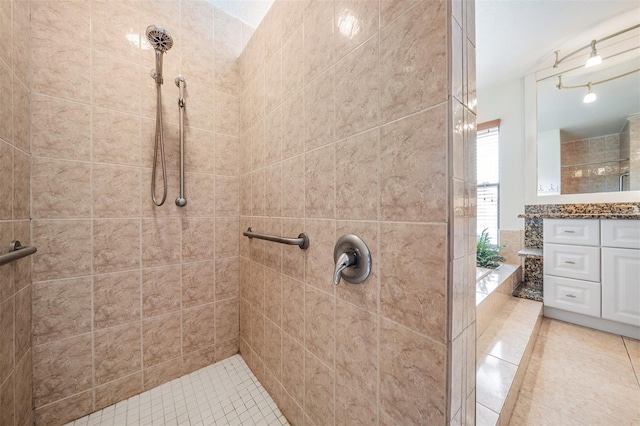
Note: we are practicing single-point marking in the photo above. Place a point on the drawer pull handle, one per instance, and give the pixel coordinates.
(570, 296)
(570, 232)
(570, 262)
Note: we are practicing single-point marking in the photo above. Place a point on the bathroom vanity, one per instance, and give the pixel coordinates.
(592, 273)
(588, 268)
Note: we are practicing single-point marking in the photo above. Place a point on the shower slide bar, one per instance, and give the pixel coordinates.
(302, 241)
(16, 251)
(181, 201)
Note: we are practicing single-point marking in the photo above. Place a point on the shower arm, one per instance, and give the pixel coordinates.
(157, 73)
(180, 82)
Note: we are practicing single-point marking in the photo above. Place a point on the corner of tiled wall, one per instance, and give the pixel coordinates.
(462, 145)
(15, 278)
(127, 296)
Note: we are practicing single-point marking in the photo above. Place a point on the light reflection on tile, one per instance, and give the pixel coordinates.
(485, 417)
(493, 380)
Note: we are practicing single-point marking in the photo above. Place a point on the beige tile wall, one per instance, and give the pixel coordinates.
(591, 165)
(15, 278)
(513, 240)
(127, 295)
(359, 117)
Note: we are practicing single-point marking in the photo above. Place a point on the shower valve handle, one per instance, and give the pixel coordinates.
(352, 260)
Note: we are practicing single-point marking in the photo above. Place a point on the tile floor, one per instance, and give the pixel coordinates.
(224, 393)
(580, 376)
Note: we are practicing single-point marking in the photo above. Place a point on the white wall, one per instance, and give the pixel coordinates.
(506, 102)
(549, 165)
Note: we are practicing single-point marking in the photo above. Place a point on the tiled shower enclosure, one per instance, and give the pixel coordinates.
(332, 117)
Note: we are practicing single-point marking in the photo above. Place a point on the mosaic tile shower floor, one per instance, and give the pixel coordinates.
(224, 393)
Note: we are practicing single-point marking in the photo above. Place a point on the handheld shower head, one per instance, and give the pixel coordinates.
(161, 41)
(159, 38)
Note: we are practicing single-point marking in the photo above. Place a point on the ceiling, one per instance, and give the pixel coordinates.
(513, 37)
(517, 37)
(248, 11)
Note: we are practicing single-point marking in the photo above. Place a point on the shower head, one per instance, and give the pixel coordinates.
(161, 41)
(159, 38)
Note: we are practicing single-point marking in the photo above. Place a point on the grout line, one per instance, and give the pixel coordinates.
(633, 367)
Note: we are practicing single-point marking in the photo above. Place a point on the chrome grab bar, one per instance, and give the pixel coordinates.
(181, 201)
(16, 251)
(302, 241)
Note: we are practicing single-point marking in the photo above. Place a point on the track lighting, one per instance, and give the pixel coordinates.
(594, 58)
(589, 97)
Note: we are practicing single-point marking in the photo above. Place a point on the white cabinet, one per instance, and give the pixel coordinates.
(584, 232)
(621, 233)
(572, 268)
(578, 296)
(621, 285)
(592, 268)
(579, 262)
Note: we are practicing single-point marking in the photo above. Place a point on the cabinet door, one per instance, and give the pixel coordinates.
(621, 285)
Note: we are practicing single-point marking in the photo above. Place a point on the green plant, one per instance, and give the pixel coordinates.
(488, 255)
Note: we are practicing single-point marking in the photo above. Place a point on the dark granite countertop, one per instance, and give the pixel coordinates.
(580, 216)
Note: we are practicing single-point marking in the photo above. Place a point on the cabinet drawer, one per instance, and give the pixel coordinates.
(578, 296)
(578, 262)
(584, 232)
(621, 233)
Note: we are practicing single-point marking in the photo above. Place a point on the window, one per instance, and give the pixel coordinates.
(488, 171)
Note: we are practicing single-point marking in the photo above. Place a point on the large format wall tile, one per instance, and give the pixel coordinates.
(117, 352)
(356, 350)
(61, 69)
(413, 168)
(413, 289)
(161, 339)
(412, 376)
(357, 90)
(411, 48)
(198, 283)
(318, 390)
(61, 189)
(66, 20)
(63, 249)
(61, 369)
(357, 167)
(160, 290)
(116, 245)
(61, 309)
(116, 298)
(60, 129)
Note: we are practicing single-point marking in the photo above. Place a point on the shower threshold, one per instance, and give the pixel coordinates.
(224, 393)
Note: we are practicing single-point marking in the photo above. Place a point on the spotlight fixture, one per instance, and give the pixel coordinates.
(589, 97)
(594, 58)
